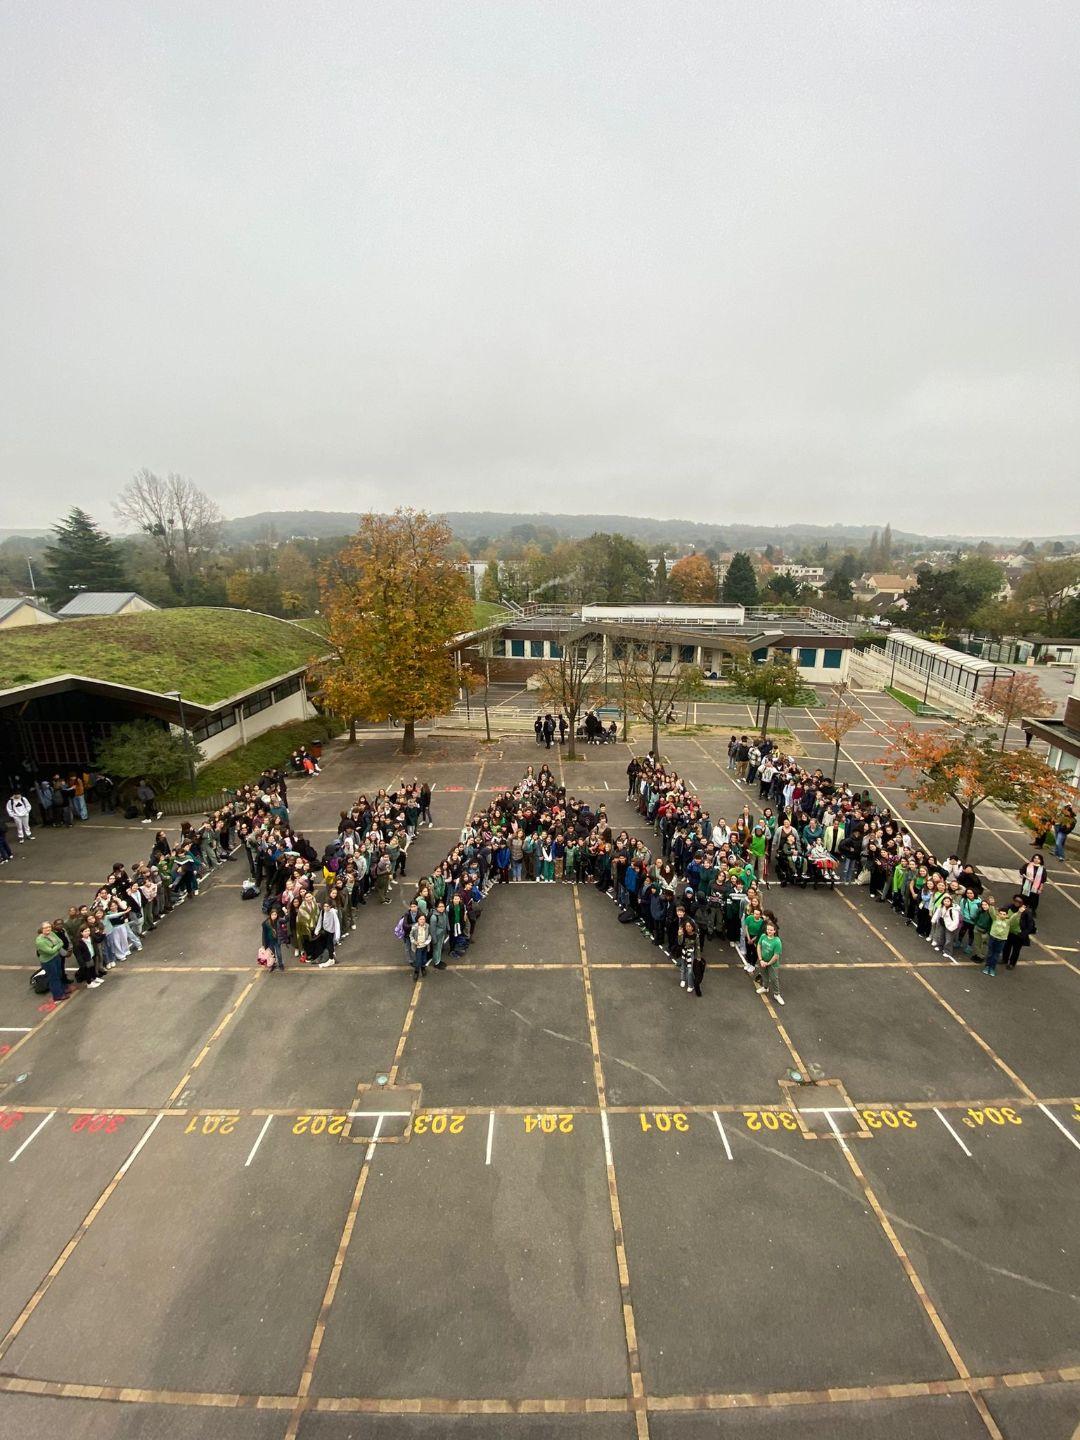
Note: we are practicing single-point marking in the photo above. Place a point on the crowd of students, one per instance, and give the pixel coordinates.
(95, 937)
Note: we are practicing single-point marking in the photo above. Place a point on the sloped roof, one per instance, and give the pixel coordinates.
(8, 606)
(102, 602)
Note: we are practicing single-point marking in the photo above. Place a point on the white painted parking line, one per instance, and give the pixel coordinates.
(370, 1151)
(132, 1157)
(723, 1136)
(15, 1029)
(835, 1129)
(607, 1137)
(32, 1136)
(952, 1132)
(1066, 1132)
(258, 1142)
(490, 1136)
(371, 1114)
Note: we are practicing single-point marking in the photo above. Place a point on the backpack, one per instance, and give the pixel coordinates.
(39, 982)
(248, 890)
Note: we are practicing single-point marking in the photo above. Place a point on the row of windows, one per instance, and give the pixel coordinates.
(261, 700)
(535, 650)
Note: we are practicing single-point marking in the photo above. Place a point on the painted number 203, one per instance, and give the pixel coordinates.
(438, 1124)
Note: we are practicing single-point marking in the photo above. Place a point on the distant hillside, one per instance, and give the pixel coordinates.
(470, 524)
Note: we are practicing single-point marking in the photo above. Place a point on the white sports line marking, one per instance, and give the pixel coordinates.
(25, 1029)
(32, 1136)
(1047, 1112)
(607, 1138)
(490, 1136)
(369, 1114)
(258, 1142)
(374, 1138)
(723, 1136)
(131, 1158)
(952, 1132)
(835, 1129)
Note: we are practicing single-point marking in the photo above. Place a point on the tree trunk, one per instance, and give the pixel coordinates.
(571, 715)
(1004, 732)
(656, 738)
(408, 737)
(765, 719)
(487, 686)
(967, 830)
(835, 762)
(352, 729)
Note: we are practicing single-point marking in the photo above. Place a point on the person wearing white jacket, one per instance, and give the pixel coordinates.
(18, 809)
(946, 926)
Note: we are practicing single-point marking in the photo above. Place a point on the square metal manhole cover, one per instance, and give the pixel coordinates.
(824, 1110)
(381, 1113)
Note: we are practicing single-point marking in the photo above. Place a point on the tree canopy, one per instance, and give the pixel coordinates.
(774, 681)
(740, 585)
(965, 766)
(392, 601)
(141, 748)
(81, 557)
(692, 580)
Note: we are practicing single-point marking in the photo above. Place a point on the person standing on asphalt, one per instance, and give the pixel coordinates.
(1064, 825)
(50, 950)
(147, 798)
(767, 971)
(18, 810)
(999, 933)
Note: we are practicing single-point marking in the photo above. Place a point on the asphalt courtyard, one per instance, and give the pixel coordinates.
(544, 1193)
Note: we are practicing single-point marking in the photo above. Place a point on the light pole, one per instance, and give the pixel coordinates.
(187, 740)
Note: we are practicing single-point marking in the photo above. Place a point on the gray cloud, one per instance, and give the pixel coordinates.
(752, 260)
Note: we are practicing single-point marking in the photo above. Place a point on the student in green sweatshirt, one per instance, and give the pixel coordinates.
(767, 971)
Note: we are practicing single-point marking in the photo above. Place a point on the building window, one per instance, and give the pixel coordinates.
(536, 649)
(807, 659)
(255, 703)
(517, 649)
(831, 659)
(618, 650)
(286, 688)
(555, 650)
(686, 654)
(224, 720)
(762, 654)
(665, 655)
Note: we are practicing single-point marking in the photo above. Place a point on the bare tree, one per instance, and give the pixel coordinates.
(657, 684)
(573, 682)
(179, 517)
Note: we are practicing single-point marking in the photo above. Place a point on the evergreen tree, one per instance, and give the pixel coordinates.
(886, 548)
(740, 583)
(660, 578)
(82, 557)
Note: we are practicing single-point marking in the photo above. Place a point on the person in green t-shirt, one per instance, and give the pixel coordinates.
(767, 970)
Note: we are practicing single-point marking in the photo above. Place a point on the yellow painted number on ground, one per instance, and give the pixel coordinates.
(320, 1124)
(891, 1119)
(770, 1120)
(210, 1125)
(549, 1124)
(994, 1114)
(664, 1121)
(438, 1124)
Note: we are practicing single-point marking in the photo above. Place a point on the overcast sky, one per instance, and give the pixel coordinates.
(733, 260)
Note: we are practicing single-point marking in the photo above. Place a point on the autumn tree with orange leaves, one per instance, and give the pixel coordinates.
(392, 599)
(693, 580)
(965, 766)
(1012, 696)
